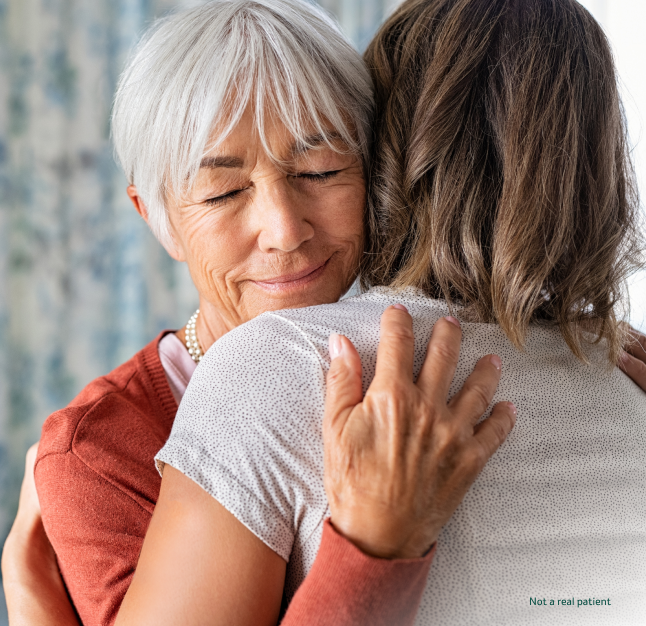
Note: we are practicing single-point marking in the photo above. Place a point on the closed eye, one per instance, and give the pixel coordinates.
(317, 177)
(220, 200)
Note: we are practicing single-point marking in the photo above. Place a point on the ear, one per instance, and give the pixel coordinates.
(138, 202)
(171, 247)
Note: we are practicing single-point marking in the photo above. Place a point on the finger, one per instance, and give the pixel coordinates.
(29, 503)
(343, 383)
(636, 344)
(442, 355)
(471, 402)
(492, 432)
(634, 368)
(396, 346)
(30, 458)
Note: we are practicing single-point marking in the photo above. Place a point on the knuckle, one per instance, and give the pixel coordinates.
(479, 456)
(469, 461)
(335, 376)
(398, 390)
(443, 351)
(499, 430)
(480, 395)
(445, 437)
(390, 401)
(400, 333)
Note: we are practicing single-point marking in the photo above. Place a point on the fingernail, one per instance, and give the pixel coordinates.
(452, 320)
(512, 408)
(623, 358)
(334, 345)
(495, 361)
(401, 307)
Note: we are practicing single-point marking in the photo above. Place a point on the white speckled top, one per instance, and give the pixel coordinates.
(558, 513)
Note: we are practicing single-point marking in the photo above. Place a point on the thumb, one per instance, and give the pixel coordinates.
(343, 382)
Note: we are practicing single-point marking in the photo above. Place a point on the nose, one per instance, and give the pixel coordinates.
(281, 220)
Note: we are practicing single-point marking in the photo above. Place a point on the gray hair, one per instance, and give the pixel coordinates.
(200, 68)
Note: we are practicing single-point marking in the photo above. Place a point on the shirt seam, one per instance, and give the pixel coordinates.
(69, 447)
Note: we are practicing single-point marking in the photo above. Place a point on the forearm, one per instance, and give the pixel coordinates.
(345, 587)
(33, 586)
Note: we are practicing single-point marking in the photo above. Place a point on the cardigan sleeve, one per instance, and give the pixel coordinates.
(97, 532)
(346, 587)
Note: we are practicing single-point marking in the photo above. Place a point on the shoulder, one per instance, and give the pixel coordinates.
(115, 425)
(262, 347)
(250, 424)
(261, 369)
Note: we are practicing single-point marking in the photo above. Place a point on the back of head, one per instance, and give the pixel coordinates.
(501, 179)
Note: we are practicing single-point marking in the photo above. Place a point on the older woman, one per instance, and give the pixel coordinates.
(243, 129)
(502, 185)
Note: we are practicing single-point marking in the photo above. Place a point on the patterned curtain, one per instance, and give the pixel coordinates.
(83, 284)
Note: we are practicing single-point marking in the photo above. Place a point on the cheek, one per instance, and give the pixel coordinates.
(215, 246)
(343, 216)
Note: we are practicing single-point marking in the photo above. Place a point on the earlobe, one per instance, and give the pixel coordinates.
(173, 249)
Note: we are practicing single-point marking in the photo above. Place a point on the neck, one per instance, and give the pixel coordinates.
(210, 326)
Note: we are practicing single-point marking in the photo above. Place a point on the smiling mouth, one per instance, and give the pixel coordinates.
(290, 281)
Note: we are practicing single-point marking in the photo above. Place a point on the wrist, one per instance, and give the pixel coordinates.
(382, 543)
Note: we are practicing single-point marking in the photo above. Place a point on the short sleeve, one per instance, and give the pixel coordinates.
(249, 430)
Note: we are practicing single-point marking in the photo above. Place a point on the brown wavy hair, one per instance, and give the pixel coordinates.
(501, 179)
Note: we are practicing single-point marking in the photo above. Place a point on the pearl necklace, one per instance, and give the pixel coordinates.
(192, 343)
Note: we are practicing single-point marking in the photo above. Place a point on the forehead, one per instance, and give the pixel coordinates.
(230, 141)
(231, 155)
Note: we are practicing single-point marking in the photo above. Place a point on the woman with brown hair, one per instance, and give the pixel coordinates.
(501, 179)
(501, 191)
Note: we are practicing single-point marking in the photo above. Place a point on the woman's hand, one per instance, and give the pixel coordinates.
(633, 359)
(400, 460)
(33, 586)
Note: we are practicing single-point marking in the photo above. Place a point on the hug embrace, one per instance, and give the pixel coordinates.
(467, 433)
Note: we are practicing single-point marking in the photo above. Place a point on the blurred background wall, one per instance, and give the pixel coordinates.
(83, 284)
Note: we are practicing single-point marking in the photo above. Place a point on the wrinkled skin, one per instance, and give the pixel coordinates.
(249, 229)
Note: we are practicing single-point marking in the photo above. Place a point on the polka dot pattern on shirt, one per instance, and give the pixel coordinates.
(559, 512)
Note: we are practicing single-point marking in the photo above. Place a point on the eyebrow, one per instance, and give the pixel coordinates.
(312, 141)
(221, 161)
(298, 148)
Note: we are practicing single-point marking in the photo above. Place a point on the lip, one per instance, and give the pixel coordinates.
(290, 281)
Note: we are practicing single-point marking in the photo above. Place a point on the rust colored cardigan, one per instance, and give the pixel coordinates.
(98, 486)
